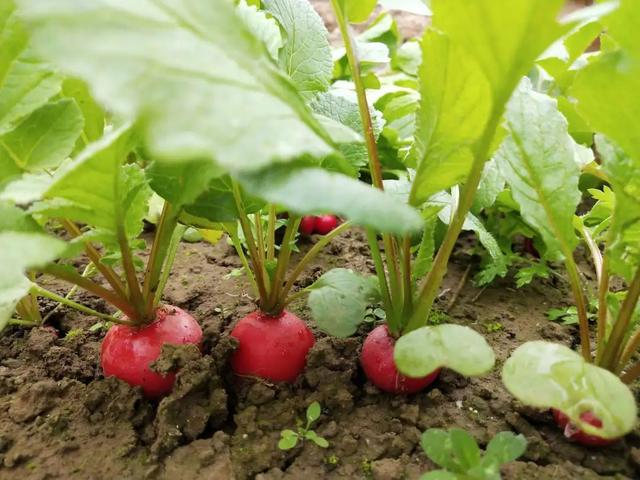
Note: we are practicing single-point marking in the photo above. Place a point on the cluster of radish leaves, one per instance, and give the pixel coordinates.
(461, 459)
(478, 119)
(219, 137)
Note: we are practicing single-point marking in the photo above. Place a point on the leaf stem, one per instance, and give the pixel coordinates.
(107, 272)
(271, 233)
(171, 252)
(258, 268)
(406, 276)
(613, 350)
(23, 323)
(392, 321)
(631, 373)
(277, 284)
(235, 239)
(308, 258)
(42, 292)
(581, 306)
(88, 270)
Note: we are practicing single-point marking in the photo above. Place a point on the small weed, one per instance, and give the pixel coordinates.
(290, 438)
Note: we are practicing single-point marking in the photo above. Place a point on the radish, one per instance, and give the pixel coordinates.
(577, 435)
(271, 347)
(325, 224)
(307, 225)
(128, 352)
(380, 368)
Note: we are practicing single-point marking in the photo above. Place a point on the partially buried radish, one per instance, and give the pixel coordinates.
(325, 224)
(128, 352)
(271, 347)
(380, 368)
(307, 225)
(574, 433)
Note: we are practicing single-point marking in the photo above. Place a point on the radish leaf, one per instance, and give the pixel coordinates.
(548, 375)
(190, 71)
(462, 349)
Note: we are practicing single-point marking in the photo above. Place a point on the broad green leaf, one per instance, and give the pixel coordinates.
(491, 184)
(464, 448)
(189, 71)
(93, 114)
(454, 108)
(537, 161)
(420, 352)
(117, 195)
(262, 27)
(454, 449)
(505, 447)
(408, 58)
(357, 11)
(313, 412)
(313, 191)
(383, 29)
(14, 219)
(339, 300)
(25, 189)
(507, 40)
(548, 375)
(25, 83)
(305, 56)
(19, 252)
(347, 113)
(417, 7)
(45, 138)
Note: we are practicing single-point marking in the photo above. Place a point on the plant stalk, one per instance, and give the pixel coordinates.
(631, 374)
(392, 321)
(42, 292)
(172, 249)
(271, 233)
(581, 306)
(245, 263)
(277, 284)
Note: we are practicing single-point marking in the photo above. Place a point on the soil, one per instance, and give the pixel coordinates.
(61, 419)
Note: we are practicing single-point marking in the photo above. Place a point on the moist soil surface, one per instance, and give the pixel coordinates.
(60, 418)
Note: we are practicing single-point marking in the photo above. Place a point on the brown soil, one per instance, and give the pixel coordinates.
(61, 419)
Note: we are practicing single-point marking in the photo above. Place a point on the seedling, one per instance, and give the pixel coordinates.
(585, 391)
(290, 438)
(461, 459)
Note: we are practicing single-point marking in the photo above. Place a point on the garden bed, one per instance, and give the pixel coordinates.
(61, 419)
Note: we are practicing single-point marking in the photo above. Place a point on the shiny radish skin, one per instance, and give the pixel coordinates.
(271, 347)
(325, 224)
(578, 436)
(380, 367)
(128, 352)
(307, 225)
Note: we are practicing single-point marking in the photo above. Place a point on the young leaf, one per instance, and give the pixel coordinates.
(288, 440)
(537, 160)
(549, 375)
(312, 190)
(45, 138)
(450, 449)
(464, 448)
(357, 11)
(422, 351)
(339, 301)
(317, 439)
(505, 447)
(417, 7)
(306, 56)
(206, 89)
(313, 412)
(19, 252)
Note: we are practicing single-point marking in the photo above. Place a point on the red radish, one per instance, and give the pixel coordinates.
(326, 223)
(128, 352)
(307, 225)
(380, 367)
(271, 347)
(577, 435)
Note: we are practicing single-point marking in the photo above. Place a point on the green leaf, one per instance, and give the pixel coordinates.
(454, 450)
(417, 7)
(313, 412)
(491, 184)
(357, 11)
(339, 300)
(288, 440)
(408, 58)
(306, 55)
(317, 439)
(313, 190)
(464, 448)
(45, 138)
(505, 447)
(263, 27)
(189, 71)
(454, 108)
(19, 252)
(347, 113)
(537, 161)
(506, 42)
(547, 375)
(118, 193)
(94, 116)
(422, 351)
(25, 83)
(436, 444)
(14, 219)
